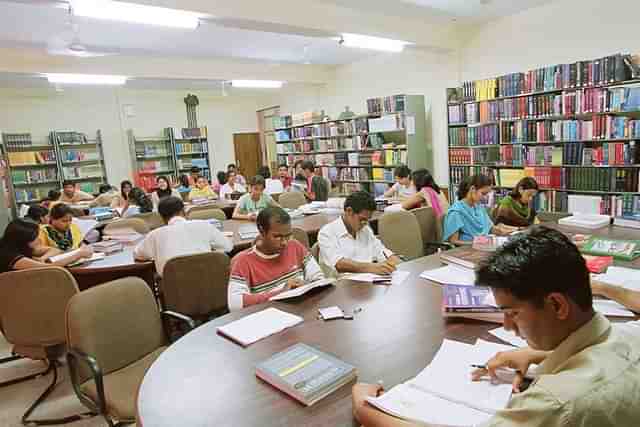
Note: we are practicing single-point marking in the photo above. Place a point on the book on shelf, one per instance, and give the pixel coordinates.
(305, 373)
(17, 140)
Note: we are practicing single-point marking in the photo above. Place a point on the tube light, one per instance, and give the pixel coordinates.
(86, 79)
(375, 43)
(262, 84)
(136, 13)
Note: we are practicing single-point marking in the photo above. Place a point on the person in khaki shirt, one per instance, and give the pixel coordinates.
(589, 370)
(72, 195)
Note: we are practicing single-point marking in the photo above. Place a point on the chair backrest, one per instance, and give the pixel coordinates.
(118, 323)
(292, 200)
(430, 230)
(135, 224)
(273, 186)
(196, 285)
(211, 213)
(301, 236)
(33, 304)
(400, 232)
(315, 251)
(153, 219)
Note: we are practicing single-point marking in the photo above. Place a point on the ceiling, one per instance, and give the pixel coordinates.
(478, 10)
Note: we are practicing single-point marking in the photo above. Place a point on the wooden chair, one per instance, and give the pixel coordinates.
(210, 213)
(292, 200)
(114, 334)
(400, 232)
(124, 224)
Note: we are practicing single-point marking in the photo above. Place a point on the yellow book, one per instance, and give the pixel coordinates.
(378, 174)
(510, 177)
(388, 157)
(26, 158)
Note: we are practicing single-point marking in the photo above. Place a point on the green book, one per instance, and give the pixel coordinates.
(623, 250)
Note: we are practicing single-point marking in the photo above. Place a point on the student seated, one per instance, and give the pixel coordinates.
(121, 201)
(179, 237)
(403, 187)
(221, 179)
(184, 185)
(52, 199)
(239, 179)
(250, 204)
(284, 177)
(72, 195)
(589, 369)
(194, 173)
(275, 263)
(137, 203)
(61, 232)
(348, 245)
(37, 214)
(231, 186)
(20, 248)
(164, 190)
(106, 196)
(466, 218)
(317, 189)
(202, 190)
(428, 194)
(271, 185)
(516, 208)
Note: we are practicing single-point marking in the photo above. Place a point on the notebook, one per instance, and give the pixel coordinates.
(395, 278)
(302, 289)
(451, 275)
(248, 232)
(443, 392)
(305, 373)
(257, 326)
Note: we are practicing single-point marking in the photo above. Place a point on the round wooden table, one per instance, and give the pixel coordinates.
(205, 379)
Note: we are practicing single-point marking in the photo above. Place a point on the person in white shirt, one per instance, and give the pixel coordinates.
(179, 237)
(348, 245)
(232, 186)
(403, 187)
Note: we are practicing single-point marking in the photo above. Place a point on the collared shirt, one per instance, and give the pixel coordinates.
(337, 243)
(202, 193)
(403, 191)
(592, 379)
(181, 237)
(227, 189)
(247, 205)
(78, 196)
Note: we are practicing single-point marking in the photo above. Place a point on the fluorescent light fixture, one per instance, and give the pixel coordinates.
(136, 13)
(375, 43)
(262, 84)
(85, 79)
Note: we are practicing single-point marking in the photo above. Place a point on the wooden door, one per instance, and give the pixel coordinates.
(248, 153)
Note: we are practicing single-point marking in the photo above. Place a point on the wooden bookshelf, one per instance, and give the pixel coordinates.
(80, 159)
(359, 151)
(190, 148)
(491, 134)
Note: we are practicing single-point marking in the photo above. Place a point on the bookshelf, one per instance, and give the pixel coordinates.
(573, 127)
(191, 148)
(151, 157)
(80, 159)
(358, 152)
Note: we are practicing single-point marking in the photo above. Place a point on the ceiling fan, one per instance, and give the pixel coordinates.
(68, 43)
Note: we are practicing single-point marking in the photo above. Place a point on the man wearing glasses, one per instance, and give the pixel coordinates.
(275, 263)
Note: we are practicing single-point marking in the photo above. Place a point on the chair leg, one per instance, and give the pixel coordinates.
(43, 396)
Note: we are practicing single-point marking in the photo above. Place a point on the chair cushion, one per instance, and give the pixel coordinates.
(121, 387)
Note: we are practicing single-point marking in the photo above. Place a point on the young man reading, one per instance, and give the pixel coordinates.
(179, 236)
(348, 245)
(589, 370)
(275, 263)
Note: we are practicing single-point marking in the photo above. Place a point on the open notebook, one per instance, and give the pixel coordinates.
(443, 392)
(302, 289)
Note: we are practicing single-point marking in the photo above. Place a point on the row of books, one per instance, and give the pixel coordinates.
(17, 140)
(387, 123)
(145, 150)
(607, 154)
(341, 144)
(280, 122)
(153, 165)
(91, 171)
(29, 158)
(192, 147)
(78, 155)
(601, 100)
(356, 126)
(188, 133)
(586, 178)
(387, 104)
(601, 127)
(474, 135)
(24, 195)
(34, 176)
(71, 137)
(602, 71)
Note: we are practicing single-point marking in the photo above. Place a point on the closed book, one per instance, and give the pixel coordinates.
(464, 256)
(624, 250)
(305, 373)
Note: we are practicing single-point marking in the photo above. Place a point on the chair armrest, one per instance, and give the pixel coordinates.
(181, 317)
(444, 245)
(74, 356)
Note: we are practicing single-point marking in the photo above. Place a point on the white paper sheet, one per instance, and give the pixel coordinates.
(621, 276)
(329, 313)
(509, 337)
(257, 326)
(451, 275)
(397, 277)
(611, 308)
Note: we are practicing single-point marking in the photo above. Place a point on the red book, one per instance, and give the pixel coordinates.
(598, 264)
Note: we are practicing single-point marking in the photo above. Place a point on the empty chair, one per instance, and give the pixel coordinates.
(430, 230)
(196, 285)
(32, 313)
(292, 200)
(114, 334)
(273, 186)
(153, 219)
(126, 224)
(400, 232)
(301, 236)
(210, 213)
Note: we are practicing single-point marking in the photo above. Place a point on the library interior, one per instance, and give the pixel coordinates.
(319, 213)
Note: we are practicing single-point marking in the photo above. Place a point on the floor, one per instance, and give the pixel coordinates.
(15, 399)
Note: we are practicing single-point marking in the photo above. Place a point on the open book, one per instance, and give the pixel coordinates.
(443, 392)
(302, 289)
(67, 255)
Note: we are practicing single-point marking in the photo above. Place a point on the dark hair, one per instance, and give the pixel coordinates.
(170, 207)
(163, 193)
(53, 195)
(477, 181)
(257, 180)
(271, 214)
(184, 180)
(67, 182)
(18, 235)
(36, 213)
(231, 165)
(534, 264)
(104, 188)
(526, 183)
(141, 199)
(122, 185)
(283, 165)
(308, 165)
(195, 169)
(422, 178)
(222, 177)
(60, 211)
(264, 172)
(402, 171)
(360, 201)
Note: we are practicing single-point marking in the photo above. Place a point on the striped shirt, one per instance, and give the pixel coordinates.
(255, 277)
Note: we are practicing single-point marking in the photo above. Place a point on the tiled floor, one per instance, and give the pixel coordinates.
(15, 399)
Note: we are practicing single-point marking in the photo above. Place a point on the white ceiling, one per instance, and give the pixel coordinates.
(479, 10)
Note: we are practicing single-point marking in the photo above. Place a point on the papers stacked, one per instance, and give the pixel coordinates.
(451, 275)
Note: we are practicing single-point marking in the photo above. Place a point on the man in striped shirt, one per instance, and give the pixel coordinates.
(273, 265)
